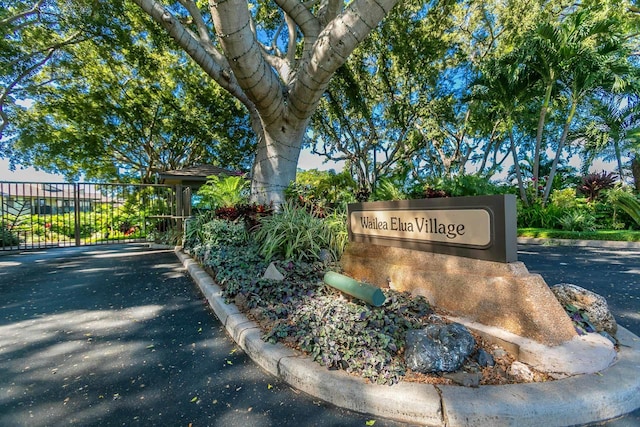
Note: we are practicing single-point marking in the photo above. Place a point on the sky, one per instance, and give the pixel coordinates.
(27, 174)
(307, 161)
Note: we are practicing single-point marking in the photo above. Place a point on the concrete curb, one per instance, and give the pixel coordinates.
(571, 401)
(579, 243)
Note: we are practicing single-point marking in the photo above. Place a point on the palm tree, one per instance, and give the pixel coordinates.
(614, 128)
(582, 53)
(504, 86)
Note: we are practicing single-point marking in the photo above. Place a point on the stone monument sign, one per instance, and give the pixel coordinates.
(459, 253)
(475, 227)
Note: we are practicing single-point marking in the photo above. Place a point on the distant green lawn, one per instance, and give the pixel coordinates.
(617, 235)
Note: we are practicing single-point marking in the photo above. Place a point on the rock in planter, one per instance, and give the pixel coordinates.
(438, 348)
(485, 359)
(466, 379)
(521, 372)
(594, 305)
(273, 273)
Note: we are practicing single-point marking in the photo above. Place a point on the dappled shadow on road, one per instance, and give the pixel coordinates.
(93, 337)
(92, 343)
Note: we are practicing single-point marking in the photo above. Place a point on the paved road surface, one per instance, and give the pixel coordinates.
(118, 335)
(612, 273)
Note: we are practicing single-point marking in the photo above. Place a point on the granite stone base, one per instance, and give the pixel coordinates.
(504, 295)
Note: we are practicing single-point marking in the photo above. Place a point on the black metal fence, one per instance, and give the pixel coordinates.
(39, 215)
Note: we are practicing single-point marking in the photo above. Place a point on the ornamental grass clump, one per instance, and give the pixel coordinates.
(296, 234)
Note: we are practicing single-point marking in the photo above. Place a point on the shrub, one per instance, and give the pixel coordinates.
(577, 221)
(252, 213)
(321, 191)
(336, 222)
(459, 186)
(564, 199)
(223, 192)
(593, 183)
(537, 215)
(350, 335)
(204, 233)
(7, 238)
(629, 204)
(235, 267)
(295, 234)
(386, 190)
(171, 237)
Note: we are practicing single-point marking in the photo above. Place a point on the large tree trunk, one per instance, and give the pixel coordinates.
(280, 89)
(276, 161)
(284, 100)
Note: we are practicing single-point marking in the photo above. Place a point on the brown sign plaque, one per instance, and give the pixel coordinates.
(482, 227)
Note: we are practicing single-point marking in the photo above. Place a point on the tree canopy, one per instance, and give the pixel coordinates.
(435, 89)
(124, 105)
(476, 86)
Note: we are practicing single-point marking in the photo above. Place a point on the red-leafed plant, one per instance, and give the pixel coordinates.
(593, 183)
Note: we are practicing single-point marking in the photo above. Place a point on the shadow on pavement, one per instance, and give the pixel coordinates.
(120, 336)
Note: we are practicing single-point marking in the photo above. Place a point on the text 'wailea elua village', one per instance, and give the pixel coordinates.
(421, 225)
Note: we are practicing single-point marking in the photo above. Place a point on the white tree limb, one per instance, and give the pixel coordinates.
(258, 80)
(212, 65)
(334, 45)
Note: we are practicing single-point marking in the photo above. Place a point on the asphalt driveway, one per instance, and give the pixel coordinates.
(119, 335)
(608, 271)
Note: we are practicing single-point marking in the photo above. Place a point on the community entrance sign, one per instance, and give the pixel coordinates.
(481, 227)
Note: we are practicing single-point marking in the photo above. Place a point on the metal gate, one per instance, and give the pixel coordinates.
(40, 215)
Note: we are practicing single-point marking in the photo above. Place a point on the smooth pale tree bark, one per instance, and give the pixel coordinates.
(516, 165)
(280, 89)
(541, 122)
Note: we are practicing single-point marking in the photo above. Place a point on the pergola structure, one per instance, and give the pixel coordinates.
(187, 181)
(193, 176)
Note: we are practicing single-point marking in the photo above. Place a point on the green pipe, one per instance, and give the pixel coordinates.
(366, 293)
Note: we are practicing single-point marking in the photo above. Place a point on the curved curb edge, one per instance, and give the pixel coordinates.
(578, 400)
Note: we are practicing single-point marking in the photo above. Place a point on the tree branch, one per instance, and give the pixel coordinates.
(203, 31)
(258, 80)
(335, 43)
(208, 61)
(34, 10)
(304, 19)
(329, 10)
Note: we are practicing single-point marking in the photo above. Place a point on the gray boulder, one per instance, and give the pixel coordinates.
(438, 348)
(594, 306)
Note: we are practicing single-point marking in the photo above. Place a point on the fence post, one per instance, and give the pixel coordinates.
(76, 212)
(186, 202)
(179, 208)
